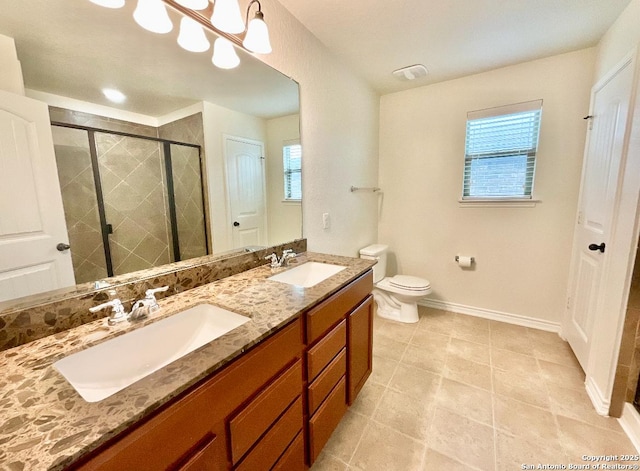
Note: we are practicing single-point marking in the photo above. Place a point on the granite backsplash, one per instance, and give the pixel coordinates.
(45, 315)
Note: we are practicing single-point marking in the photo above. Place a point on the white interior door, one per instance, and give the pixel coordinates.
(31, 214)
(246, 191)
(598, 197)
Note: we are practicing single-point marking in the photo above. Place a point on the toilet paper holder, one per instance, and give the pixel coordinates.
(472, 259)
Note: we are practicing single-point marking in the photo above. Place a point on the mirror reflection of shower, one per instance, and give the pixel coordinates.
(131, 201)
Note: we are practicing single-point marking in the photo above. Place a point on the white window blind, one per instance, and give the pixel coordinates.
(500, 151)
(292, 162)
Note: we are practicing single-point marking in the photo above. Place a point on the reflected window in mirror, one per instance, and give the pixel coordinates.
(292, 163)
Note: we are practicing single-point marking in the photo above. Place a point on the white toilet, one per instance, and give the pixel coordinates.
(396, 296)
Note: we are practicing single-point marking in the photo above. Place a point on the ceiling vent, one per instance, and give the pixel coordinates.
(411, 72)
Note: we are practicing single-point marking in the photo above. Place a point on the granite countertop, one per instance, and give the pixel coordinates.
(45, 424)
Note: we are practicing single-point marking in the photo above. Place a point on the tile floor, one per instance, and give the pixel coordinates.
(456, 392)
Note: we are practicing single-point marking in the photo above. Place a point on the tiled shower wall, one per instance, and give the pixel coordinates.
(133, 182)
(187, 178)
(628, 369)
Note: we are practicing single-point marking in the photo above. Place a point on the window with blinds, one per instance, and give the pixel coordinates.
(292, 163)
(500, 151)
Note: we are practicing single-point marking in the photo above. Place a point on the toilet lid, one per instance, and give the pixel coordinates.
(412, 283)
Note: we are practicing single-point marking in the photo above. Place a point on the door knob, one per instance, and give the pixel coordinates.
(595, 247)
(236, 223)
(62, 247)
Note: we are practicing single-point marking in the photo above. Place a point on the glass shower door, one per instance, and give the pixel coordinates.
(80, 200)
(188, 195)
(134, 190)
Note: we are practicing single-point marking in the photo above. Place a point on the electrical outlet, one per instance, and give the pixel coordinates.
(326, 221)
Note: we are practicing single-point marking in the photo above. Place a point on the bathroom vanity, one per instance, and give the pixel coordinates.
(267, 395)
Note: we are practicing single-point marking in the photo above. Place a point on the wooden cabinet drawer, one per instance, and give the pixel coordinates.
(248, 425)
(324, 351)
(322, 317)
(265, 454)
(324, 383)
(326, 419)
(293, 458)
(209, 457)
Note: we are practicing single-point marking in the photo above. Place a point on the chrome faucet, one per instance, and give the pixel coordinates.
(284, 260)
(144, 307)
(140, 309)
(118, 313)
(287, 255)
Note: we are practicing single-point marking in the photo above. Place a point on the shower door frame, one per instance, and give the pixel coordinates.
(173, 220)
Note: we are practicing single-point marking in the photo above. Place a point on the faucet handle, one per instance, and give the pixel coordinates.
(118, 313)
(150, 297)
(274, 260)
(287, 255)
(139, 310)
(152, 292)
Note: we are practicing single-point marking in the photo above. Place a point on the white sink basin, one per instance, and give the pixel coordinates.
(308, 274)
(103, 370)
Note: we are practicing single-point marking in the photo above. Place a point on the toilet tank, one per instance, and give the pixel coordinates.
(376, 252)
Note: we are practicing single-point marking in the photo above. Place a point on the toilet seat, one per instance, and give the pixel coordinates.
(406, 285)
(411, 283)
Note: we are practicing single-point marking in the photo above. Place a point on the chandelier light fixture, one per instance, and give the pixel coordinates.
(192, 36)
(256, 38)
(227, 17)
(225, 20)
(224, 54)
(152, 16)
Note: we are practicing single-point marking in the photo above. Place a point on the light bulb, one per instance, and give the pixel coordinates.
(194, 4)
(257, 37)
(226, 16)
(109, 3)
(152, 16)
(192, 37)
(224, 55)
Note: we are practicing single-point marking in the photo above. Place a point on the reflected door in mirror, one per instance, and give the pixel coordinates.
(246, 191)
(31, 216)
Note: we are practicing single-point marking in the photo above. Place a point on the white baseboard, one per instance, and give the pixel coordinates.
(630, 423)
(493, 315)
(600, 403)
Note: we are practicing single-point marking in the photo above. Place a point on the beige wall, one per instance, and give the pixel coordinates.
(284, 218)
(219, 121)
(619, 40)
(339, 125)
(522, 253)
(11, 71)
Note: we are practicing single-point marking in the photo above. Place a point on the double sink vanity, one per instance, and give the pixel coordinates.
(252, 371)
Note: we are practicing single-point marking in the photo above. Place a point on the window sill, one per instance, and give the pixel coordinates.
(498, 203)
(293, 202)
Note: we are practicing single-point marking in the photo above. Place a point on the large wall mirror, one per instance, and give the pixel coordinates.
(194, 161)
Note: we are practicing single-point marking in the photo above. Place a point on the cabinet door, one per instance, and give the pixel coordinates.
(359, 347)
